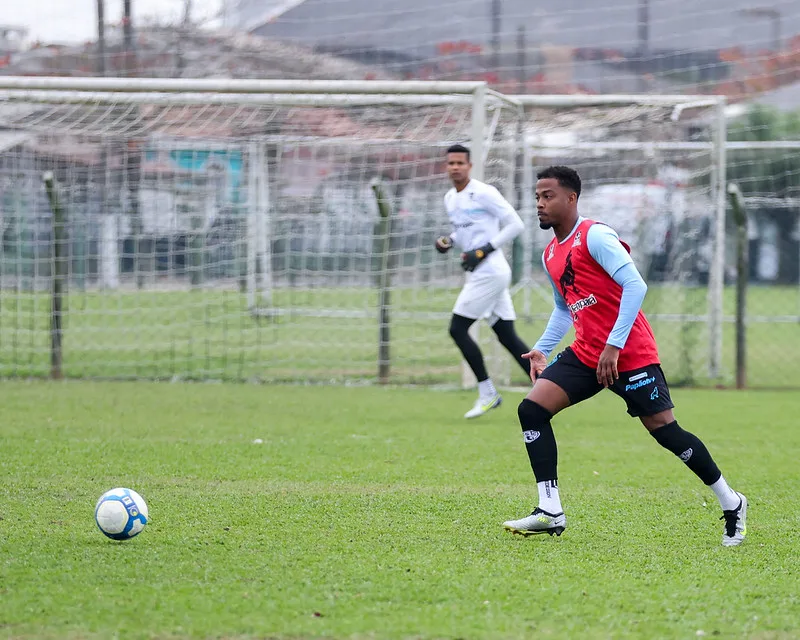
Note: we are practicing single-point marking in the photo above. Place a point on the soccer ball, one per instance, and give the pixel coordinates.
(121, 514)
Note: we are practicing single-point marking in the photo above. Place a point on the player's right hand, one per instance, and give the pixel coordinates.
(444, 244)
(538, 363)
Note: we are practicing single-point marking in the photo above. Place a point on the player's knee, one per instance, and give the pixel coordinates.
(504, 330)
(532, 414)
(658, 420)
(507, 336)
(459, 328)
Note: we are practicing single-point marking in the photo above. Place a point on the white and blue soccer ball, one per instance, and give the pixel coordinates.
(121, 513)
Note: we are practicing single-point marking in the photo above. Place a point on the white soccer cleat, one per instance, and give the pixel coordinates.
(735, 524)
(538, 522)
(484, 405)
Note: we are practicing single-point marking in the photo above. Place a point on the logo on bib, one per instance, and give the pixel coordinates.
(582, 303)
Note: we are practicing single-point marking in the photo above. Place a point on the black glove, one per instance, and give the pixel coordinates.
(443, 244)
(471, 259)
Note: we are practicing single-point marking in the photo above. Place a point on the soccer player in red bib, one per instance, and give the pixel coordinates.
(599, 291)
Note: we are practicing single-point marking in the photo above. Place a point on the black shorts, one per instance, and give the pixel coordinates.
(644, 390)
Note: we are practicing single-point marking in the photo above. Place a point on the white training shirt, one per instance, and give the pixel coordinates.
(479, 214)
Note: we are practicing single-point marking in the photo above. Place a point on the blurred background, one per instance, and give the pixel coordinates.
(734, 48)
(157, 198)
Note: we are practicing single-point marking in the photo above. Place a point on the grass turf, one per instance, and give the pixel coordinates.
(375, 512)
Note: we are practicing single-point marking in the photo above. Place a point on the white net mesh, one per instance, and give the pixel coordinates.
(217, 235)
(231, 237)
(764, 162)
(749, 54)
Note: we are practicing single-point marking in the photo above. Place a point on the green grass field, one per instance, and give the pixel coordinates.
(209, 334)
(375, 513)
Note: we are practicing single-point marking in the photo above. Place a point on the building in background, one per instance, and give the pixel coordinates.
(665, 44)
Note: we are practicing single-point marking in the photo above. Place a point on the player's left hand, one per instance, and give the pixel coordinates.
(471, 259)
(538, 363)
(607, 373)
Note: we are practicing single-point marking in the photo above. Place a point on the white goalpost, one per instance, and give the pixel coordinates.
(238, 226)
(226, 229)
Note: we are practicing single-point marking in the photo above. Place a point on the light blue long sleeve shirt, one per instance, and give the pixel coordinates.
(604, 246)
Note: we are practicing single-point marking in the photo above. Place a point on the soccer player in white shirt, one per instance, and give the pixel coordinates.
(482, 221)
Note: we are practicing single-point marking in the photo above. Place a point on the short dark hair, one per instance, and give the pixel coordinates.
(458, 148)
(566, 177)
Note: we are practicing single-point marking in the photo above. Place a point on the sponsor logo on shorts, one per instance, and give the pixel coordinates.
(583, 303)
(530, 436)
(654, 395)
(639, 384)
(638, 376)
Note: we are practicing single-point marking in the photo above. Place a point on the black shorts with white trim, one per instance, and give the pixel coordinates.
(644, 390)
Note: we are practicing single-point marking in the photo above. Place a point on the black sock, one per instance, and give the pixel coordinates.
(689, 448)
(507, 335)
(539, 440)
(459, 331)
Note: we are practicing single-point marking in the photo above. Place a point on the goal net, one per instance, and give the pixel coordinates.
(239, 230)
